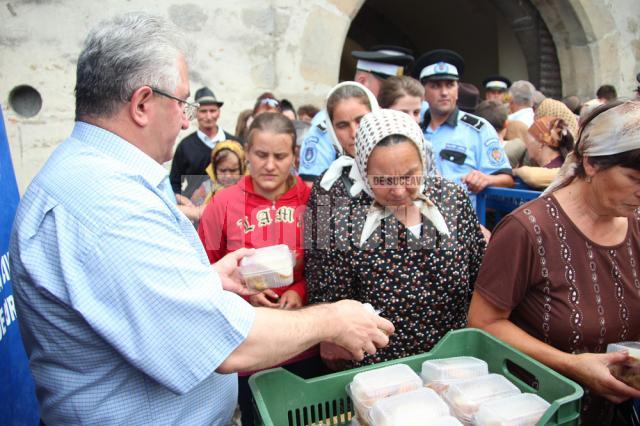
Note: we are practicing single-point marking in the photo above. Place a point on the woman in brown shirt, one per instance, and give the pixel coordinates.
(560, 279)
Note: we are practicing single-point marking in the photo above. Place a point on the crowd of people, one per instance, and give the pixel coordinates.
(126, 321)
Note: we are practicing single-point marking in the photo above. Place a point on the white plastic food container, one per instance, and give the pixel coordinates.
(371, 386)
(465, 396)
(268, 267)
(629, 371)
(518, 410)
(408, 409)
(437, 374)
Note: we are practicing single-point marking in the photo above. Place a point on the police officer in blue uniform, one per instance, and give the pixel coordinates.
(466, 147)
(318, 151)
(495, 87)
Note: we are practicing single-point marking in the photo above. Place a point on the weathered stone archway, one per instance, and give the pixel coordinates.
(586, 36)
(587, 42)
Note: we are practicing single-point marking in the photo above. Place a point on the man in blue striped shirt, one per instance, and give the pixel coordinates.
(123, 318)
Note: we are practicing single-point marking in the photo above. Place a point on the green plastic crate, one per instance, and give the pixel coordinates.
(284, 399)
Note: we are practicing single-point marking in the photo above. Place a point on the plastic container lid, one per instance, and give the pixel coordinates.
(517, 410)
(370, 386)
(408, 409)
(465, 396)
(632, 347)
(268, 267)
(456, 368)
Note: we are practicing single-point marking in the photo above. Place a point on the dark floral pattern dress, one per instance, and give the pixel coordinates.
(422, 285)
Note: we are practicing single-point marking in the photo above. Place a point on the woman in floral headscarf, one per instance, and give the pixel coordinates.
(407, 244)
(572, 285)
(549, 142)
(556, 109)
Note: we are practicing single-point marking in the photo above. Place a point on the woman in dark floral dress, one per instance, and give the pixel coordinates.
(410, 246)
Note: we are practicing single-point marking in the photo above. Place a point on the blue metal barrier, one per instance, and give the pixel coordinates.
(502, 200)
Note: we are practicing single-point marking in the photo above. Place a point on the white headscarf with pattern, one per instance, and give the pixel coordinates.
(611, 132)
(375, 127)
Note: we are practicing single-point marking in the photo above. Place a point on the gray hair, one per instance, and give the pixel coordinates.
(122, 54)
(522, 93)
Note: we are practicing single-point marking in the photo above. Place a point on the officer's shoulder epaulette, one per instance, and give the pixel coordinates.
(472, 121)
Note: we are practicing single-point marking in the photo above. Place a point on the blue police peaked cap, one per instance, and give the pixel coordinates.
(439, 64)
(384, 60)
(496, 82)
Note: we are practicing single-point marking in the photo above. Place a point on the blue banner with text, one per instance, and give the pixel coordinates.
(17, 393)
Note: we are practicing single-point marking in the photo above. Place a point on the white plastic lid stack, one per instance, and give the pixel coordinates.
(268, 267)
(408, 409)
(517, 410)
(437, 372)
(371, 386)
(632, 347)
(465, 396)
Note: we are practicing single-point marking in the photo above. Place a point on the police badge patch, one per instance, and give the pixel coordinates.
(495, 155)
(310, 154)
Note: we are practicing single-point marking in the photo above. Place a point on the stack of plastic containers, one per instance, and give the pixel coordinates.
(518, 410)
(268, 267)
(628, 371)
(411, 409)
(456, 391)
(437, 374)
(466, 396)
(371, 386)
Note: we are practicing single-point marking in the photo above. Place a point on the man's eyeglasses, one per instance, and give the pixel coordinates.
(188, 108)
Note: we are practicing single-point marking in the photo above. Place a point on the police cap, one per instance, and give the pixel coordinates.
(384, 60)
(496, 82)
(439, 64)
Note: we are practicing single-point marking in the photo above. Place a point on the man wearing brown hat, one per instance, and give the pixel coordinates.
(193, 153)
(466, 147)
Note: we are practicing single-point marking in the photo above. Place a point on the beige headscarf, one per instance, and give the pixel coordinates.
(556, 109)
(611, 132)
(374, 127)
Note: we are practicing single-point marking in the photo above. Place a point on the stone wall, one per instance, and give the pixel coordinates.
(242, 48)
